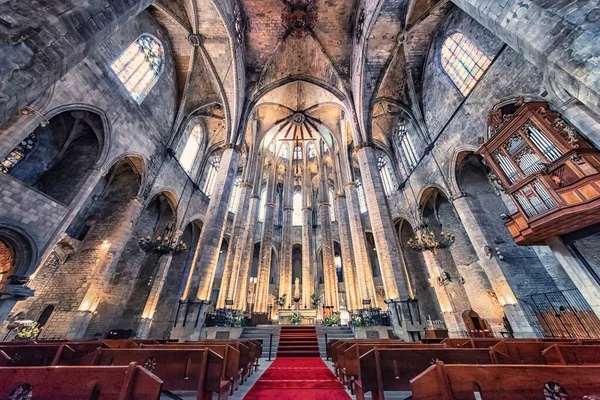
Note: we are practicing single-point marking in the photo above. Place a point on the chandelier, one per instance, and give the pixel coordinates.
(167, 243)
(428, 240)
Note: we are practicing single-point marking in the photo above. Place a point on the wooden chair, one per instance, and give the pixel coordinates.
(129, 382)
(505, 382)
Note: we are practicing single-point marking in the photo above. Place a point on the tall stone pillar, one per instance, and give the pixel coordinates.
(244, 262)
(308, 283)
(159, 281)
(560, 38)
(266, 246)
(42, 43)
(236, 244)
(349, 267)
(329, 273)
(285, 275)
(364, 273)
(504, 293)
(203, 273)
(581, 277)
(388, 248)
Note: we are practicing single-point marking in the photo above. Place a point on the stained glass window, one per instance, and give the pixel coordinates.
(235, 196)
(18, 154)
(298, 152)
(284, 152)
(297, 209)
(211, 176)
(140, 66)
(463, 62)
(312, 152)
(407, 148)
(190, 151)
(386, 176)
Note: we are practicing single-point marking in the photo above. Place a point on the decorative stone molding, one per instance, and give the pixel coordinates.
(363, 145)
(194, 39)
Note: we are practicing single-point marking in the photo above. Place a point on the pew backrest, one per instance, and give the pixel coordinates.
(505, 382)
(129, 382)
(567, 354)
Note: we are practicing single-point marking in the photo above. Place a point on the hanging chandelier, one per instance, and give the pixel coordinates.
(167, 243)
(428, 240)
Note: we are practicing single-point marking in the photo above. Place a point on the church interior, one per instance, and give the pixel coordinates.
(300, 199)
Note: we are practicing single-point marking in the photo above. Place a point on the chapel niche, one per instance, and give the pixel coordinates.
(548, 169)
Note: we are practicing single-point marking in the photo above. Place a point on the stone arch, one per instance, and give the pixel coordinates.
(138, 164)
(20, 252)
(458, 158)
(59, 156)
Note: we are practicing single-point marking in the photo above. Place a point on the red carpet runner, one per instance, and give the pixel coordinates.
(297, 378)
(298, 373)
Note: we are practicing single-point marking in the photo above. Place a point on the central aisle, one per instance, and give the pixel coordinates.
(297, 378)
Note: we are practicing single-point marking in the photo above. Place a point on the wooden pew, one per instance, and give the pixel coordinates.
(504, 382)
(349, 362)
(34, 354)
(180, 369)
(129, 382)
(567, 354)
(471, 343)
(232, 369)
(520, 352)
(338, 348)
(392, 369)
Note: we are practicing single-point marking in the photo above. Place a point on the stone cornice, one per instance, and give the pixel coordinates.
(363, 145)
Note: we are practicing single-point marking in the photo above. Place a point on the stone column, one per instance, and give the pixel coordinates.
(245, 260)
(581, 277)
(203, 273)
(285, 275)
(364, 273)
(266, 246)
(492, 269)
(231, 268)
(44, 42)
(157, 286)
(560, 38)
(308, 282)
(329, 273)
(102, 272)
(388, 248)
(349, 267)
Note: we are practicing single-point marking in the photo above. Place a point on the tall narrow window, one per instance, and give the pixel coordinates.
(190, 151)
(331, 206)
(18, 154)
(407, 148)
(463, 62)
(312, 152)
(386, 176)
(262, 206)
(362, 203)
(211, 176)
(235, 196)
(284, 152)
(298, 152)
(140, 66)
(297, 212)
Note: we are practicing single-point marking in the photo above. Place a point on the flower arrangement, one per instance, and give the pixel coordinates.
(296, 318)
(332, 320)
(281, 300)
(314, 301)
(30, 332)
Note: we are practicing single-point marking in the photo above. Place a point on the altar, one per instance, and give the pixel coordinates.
(309, 316)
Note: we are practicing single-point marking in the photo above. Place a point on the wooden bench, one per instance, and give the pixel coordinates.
(505, 382)
(340, 346)
(33, 354)
(520, 352)
(392, 369)
(197, 370)
(567, 354)
(129, 382)
(471, 343)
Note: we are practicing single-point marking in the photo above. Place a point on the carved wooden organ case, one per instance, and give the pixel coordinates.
(550, 171)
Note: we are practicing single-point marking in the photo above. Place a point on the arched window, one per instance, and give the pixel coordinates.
(463, 62)
(297, 212)
(331, 206)
(338, 268)
(386, 176)
(262, 206)
(312, 152)
(298, 152)
(140, 66)
(190, 151)
(211, 176)
(362, 203)
(284, 152)
(235, 196)
(407, 148)
(18, 154)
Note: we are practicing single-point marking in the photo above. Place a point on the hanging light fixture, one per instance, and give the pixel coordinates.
(426, 239)
(167, 243)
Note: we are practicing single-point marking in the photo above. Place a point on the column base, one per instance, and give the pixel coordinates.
(518, 322)
(189, 321)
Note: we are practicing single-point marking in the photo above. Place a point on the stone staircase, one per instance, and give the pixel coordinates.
(264, 332)
(333, 332)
